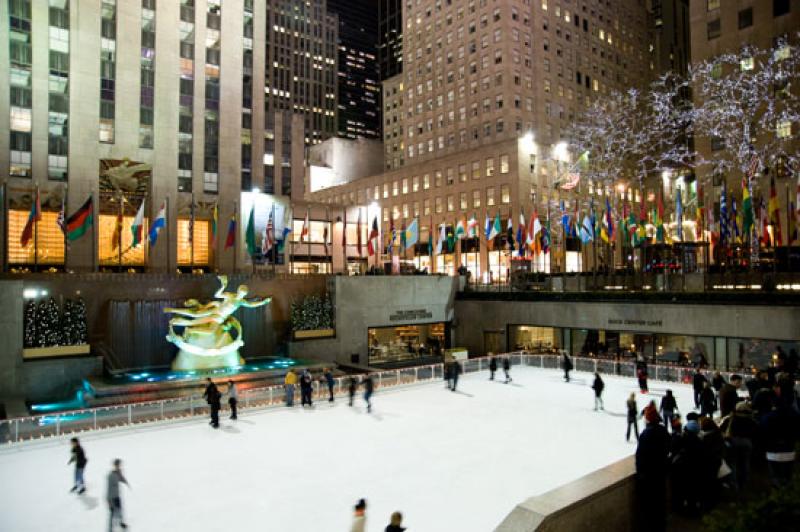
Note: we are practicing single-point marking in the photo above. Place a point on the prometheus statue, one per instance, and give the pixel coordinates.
(206, 342)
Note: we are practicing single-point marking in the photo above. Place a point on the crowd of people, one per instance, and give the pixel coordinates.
(716, 447)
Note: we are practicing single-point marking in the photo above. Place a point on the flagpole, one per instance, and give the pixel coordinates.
(36, 231)
(119, 226)
(168, 220)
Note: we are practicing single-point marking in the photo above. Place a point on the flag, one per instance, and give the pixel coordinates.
(214, 223)
(472, 227)
(250, 231)
(679, 213)
(442, 238)
(792, 227)
(521, 234)
(734, 220)
(412, 233)
(497, 227)
(287, 228)
(116, 237)
(137, 226)
(587, 230)
(230, 239)
(763, 222)
(658, 219)
(304, 231)
(81, 220)
(325, 236)
(609, 220)
(62, 214)
(775, 214)
(451, 240)
(373, 236)
(546, 237)
(35, 215)
(358, 231)
(191, 221)
(510, 233)
(564, 217)
(430, 238)
(403, 245)
(699, 220)
(604, 230)
(159, 223)
(461, 229)
(392, 232)
(533, 240)
(269, 233)
(487, 227)
(724, 225)
(576, 221)
(747, 210)
(641, 228)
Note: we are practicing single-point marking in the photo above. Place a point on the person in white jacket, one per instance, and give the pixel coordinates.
(360, 517)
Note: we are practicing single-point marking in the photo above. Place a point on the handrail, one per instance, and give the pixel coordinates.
(20, 429)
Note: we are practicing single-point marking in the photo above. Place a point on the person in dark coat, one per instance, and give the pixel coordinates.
(113, 498)
(713, 448)
(668, 408)
(651, 472)
(352, 384)
(641, 375)
(79, 458)
(729, 396)
(233, 399)
(697, 385)
(507, 369)
(492, 368)
(369, 387)
(598, 387)
(306, 388)
(781, 431)
(395, 522)
(212, 397)
(708, 402)
(717, 381)
(632, 417)
(567, 363)
(687, 461)
(328, 374)
(455, 371)
(739, 429)
(448, 374)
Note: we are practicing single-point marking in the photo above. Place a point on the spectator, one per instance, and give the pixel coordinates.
(713, 446)
(780, 429)
(739, 429)
(651, 472)
(717, 382)
(687, 461)
(729, 395)
(598, 387)
(708, 401)
(289, 383)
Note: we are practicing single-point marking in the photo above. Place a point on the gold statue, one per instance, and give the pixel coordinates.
(206, 342)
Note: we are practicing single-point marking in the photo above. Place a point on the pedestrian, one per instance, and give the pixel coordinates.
(507, 369)
(360, 517)
(632, 417)
(305, 388)
(739, 429)
(697, 384)
(455, 371)
(492, 367)
(668, 408)
(395, 522)
(567, 365)
(729, 395)
(212, 396)
(328, 374)
(289, 381)
(708, 402)
(651, 472)
(641, 374)
(115, 477)
(369, 387)
(352, 385)
(233, 399)
(79, 457)
(598, 386)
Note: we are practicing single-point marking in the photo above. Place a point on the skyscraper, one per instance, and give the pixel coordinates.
(390, 47)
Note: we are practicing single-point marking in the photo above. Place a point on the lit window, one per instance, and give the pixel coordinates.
(476, 198)
(490, 167)
(504, 164)
(784, 129)
(505, 194)
(463, 201)
(395, 188)
(451, 203)
(746, 64)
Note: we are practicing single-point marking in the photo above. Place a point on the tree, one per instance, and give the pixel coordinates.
(79, 330)
(30, 338)
(48, 326)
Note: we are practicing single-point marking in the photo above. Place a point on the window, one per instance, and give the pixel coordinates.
(476, 199)
(780, 7)
(504, 164)
(426, 181)
(505, 194)
(462, 173)
(426, 207)
(415, 183)
(451, 203)
(490, 197)
(450, 176)
(405, 185)
(714, 29)
(476, 169)
(745, 18)
(746, 64)
(438, 178)
(463, 201)
(713, 4)
(395, 188)
(784, 129)
(385, 190)
(489, 166)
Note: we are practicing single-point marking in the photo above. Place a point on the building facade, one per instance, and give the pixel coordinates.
(186, 102)
(390, 45)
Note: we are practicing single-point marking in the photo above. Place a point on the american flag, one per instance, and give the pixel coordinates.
(753, 167)
(269, 231)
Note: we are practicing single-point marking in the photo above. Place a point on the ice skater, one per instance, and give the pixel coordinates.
(115, 477)
(598, 391)
(233, 399)
(641, 374)
(492, 368)
(328, 374)
(632, 417)
(567, 361)
(455, 371)
(507, 369)
(668, 408)
(212, 397)
(288, 382)
(369, 387)
(79, 457)
(305, 388)
(359, 517)
(352, 385)
(448, 375)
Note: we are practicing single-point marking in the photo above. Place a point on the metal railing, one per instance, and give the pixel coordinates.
(29, 428)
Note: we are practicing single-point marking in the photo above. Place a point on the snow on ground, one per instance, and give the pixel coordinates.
(448, 461)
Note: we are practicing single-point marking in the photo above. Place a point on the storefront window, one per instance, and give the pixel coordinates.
(405, 343)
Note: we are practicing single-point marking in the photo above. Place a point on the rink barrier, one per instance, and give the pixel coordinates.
(21, 429)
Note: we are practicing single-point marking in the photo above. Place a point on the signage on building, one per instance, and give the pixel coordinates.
(641, 323)
(411, 315)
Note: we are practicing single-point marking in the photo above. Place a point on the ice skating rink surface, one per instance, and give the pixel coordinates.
(449, 461)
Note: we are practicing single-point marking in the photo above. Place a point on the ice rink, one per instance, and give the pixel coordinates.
(449, 461)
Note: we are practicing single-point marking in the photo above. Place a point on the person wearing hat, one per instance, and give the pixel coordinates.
(651, 471)
(359, 517)
(739, 429)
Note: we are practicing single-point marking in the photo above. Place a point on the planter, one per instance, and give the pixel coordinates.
(314, 333)
(56, 351)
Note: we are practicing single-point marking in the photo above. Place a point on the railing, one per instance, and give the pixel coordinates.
(22, 429)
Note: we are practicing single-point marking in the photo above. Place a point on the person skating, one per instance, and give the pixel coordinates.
(352, 385)
(598, 387)
(289, 382)
(79, 458)
(328, 374)
(369, 387)
(212, 397)
(641, 374)
(492, 368)
(567, 362)
(708, 401)
(395, 522)
(360, 516)
(114, 479)
(305, 388)
(668, 408)
(632, 417)
(455, 371)
(448, 374)
(697, 384)
(233, 399)
(717, 382)
(507, 369)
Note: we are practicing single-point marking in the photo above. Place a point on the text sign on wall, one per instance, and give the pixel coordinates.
(641, 323)
(410, 315)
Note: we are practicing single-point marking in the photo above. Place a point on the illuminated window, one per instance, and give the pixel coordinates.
(395, 188)
(49, 242)
(746, 64)
(490, 167)
(451, 203)
(490, 197)
(784, 129)
(405, 185)
(415, 183)
(426, 181)
(463, 201)
(476, 198)
(476, 169)
(504, 164)
(426, 207)
(111, 255)
(505, 194)
(713, 4)
(438, 205)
